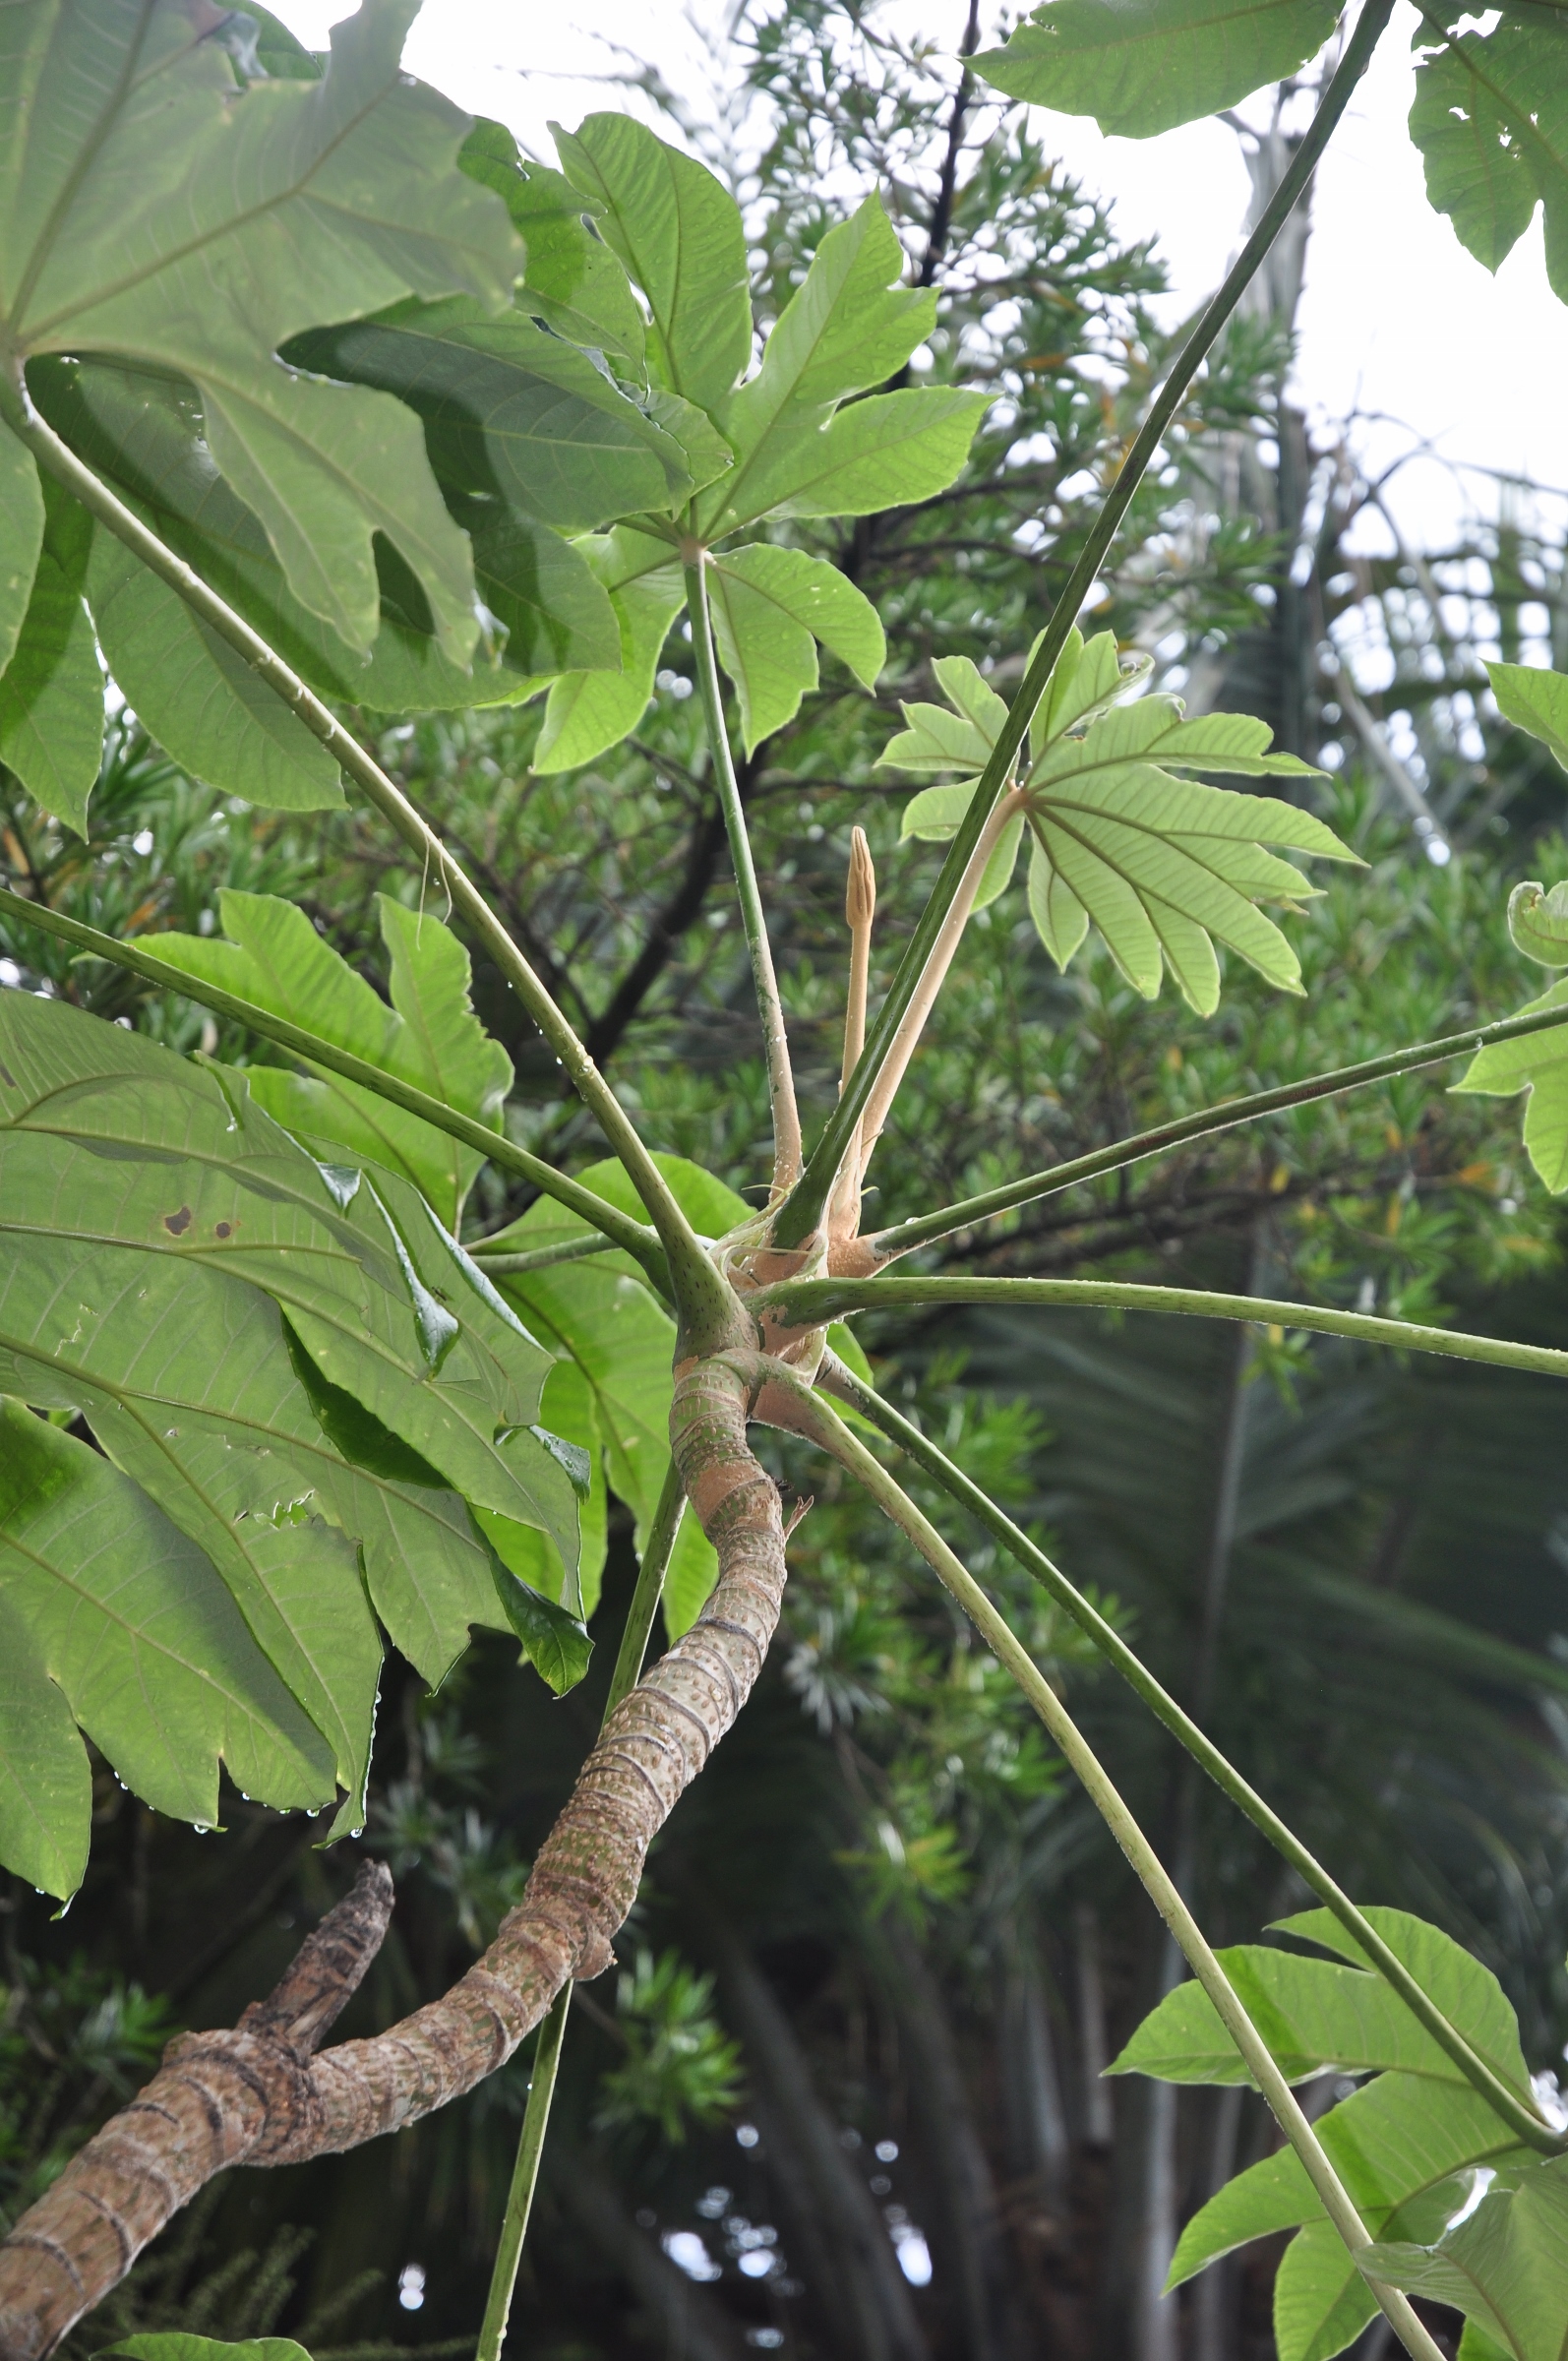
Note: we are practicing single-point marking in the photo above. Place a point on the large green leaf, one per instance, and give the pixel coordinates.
(151, 209)
(72, 1316)
(571, 280)
(771, 606)
(51, 693)
(1162, 864)
(587, 711)
(131, 1622)
(1141, 66)
(45, 1782)
(269, 953)
(21, 536)
(1394, 2143)
(1506, 2267)
(1490, 119)
(849, 325)
(510, 411)
(107, 1139)
(679, 232)
(198, 696)
(144, 434)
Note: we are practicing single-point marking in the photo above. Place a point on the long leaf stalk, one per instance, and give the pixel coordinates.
(553, 2030)
(810, 1302)
(822, 1425)
(765, 982)
(610, 1225)
(706, 1305)
(926, 1228)
(908, 1438)
(802, 1211)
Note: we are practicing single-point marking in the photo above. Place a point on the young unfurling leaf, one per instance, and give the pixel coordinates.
(1162, 864)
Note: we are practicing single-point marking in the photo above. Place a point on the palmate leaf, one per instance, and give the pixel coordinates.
(127, 1622)
(21, 536)
(144, 434)
(1506, 2267)
(151, 210)
(679, 233)
(770, 607)
(1538, 1064)
(1406, 2144)
(789, 442)
(187, 1368)
(269, 953)
(570, 280)
(1490, 119)
(1142, 66)
(510, 411)
(106, 1137)
(1163, 865)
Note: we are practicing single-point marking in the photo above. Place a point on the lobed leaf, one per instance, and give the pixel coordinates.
(21, 536)
(108, 1137)
(45, 1781)
(677, 232)
(510, 413)
(51, 693)
(1506, 2267)
(570, 280)
(769, 607)
(1162, 864)
(849, 325)
(151, 211)
(1490, 123)
(130, 1621)
(269, 953)
(1143, 66)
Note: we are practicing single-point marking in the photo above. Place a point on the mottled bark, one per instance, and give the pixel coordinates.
(258, 2096)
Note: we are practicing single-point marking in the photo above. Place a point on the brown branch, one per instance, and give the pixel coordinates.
(258, 2096)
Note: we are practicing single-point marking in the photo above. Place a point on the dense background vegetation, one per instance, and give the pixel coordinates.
(786, 2123)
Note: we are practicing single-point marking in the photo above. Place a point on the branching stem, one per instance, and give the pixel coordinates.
(553, 2030)
(769, 1008)
(926, 1228)
(636, 1237)
(823, 1426)
(1505, 2102)
(800, 1215)
(706, 1307)
(809, 1302)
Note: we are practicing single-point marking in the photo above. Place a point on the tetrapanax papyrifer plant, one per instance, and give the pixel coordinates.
(316, 395)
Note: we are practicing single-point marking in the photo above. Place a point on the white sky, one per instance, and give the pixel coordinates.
(1398, 321)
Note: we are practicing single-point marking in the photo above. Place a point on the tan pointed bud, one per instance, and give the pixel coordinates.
(860, 895)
